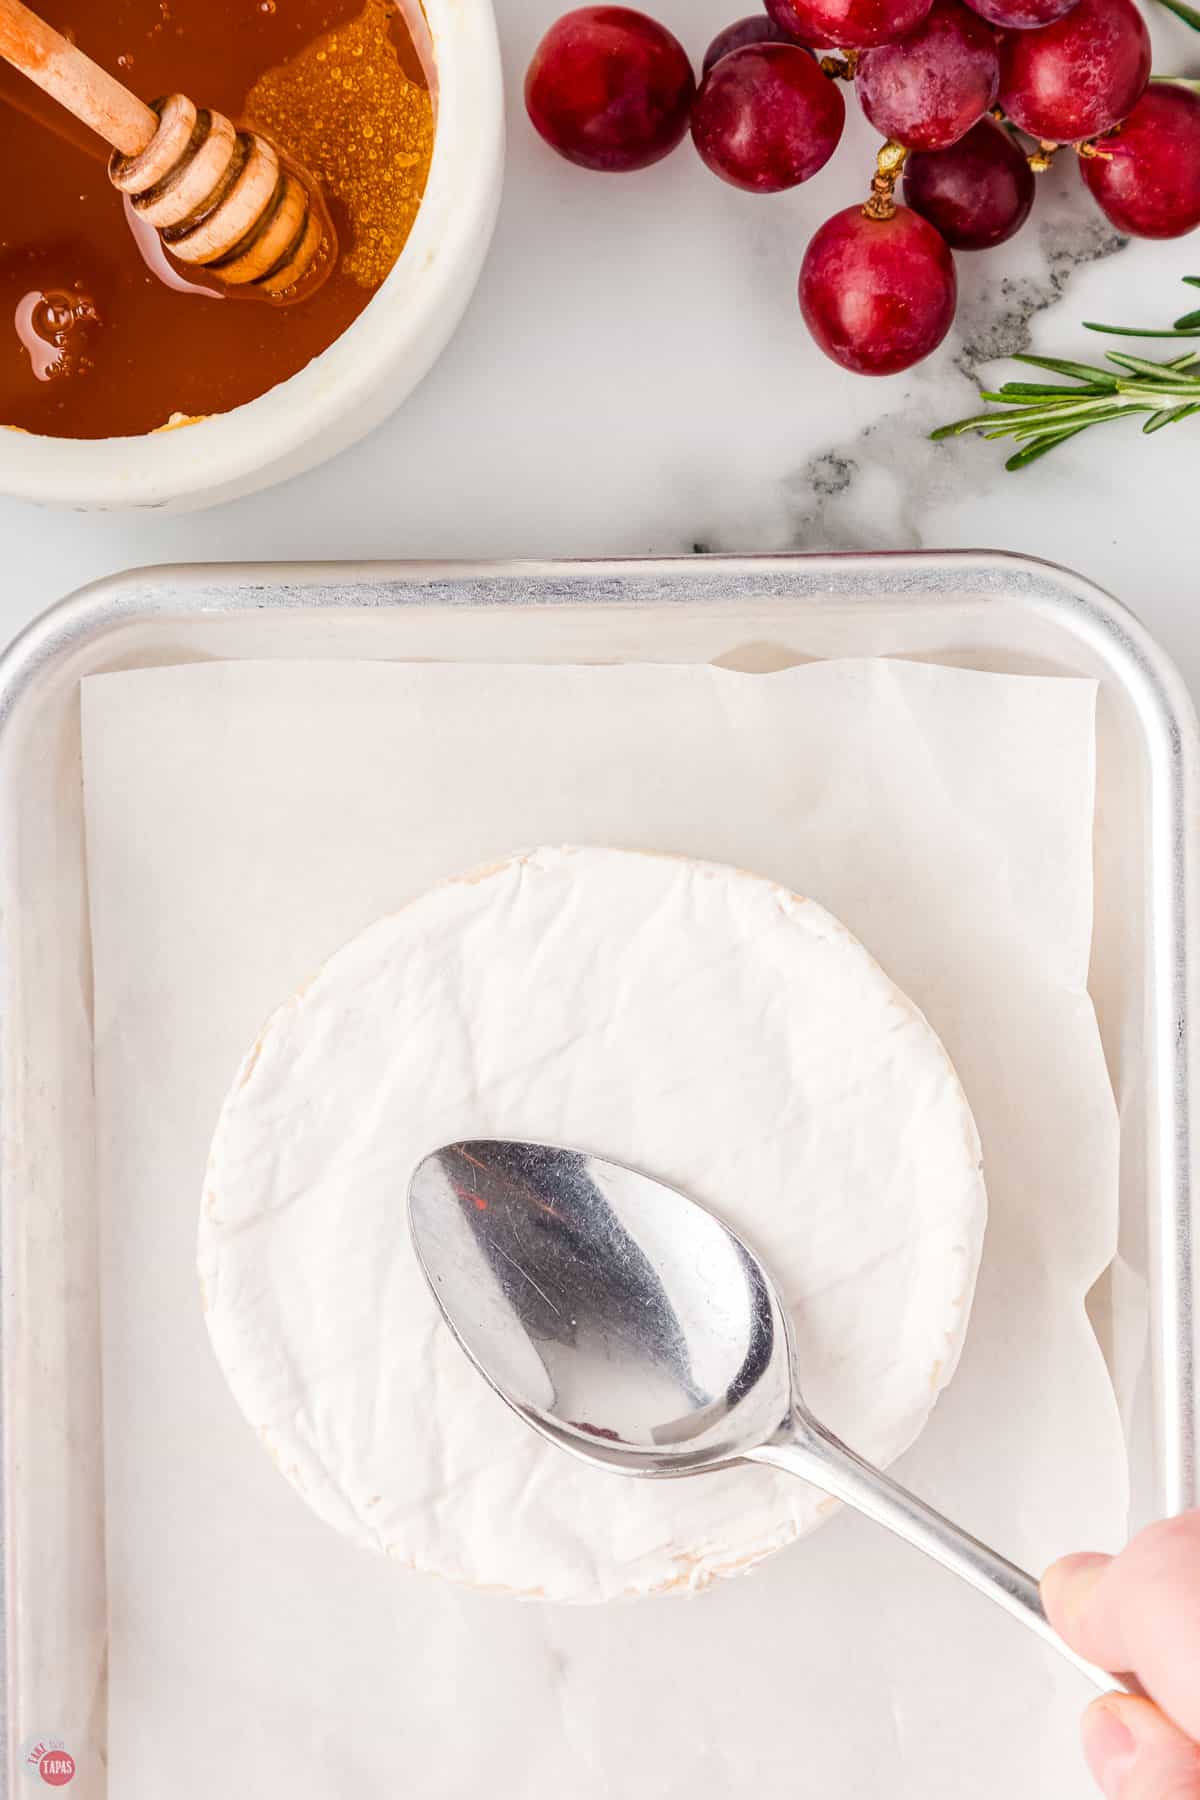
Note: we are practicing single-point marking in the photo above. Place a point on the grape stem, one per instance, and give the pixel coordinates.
(841, 67)
(1042, 415)
(1042, 158)
(888, 164)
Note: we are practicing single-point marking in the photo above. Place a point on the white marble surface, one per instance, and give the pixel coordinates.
(633, 377)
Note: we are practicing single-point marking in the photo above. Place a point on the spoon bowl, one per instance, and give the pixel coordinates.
(618, 1317)
(628, 1325)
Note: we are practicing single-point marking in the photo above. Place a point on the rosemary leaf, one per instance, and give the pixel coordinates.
(1042, 447)
(1157, 420)
(1138, 332)
(960, 427)
(1101, 416)
(1137, 365)
(1057, 365)
(1028, 390)
(1183, 11)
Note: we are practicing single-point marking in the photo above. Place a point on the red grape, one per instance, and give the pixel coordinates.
(766, 117)
(1146, 177)
(1078, 76)
(977, 193)
(853, 24)
(929, 89)
(609, 88)
(877, 294)
(757, 30)
(1020, 15)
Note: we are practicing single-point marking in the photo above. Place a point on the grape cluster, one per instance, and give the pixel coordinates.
(950, 84)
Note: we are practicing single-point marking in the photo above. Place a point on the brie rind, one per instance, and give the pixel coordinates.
(687, 1019)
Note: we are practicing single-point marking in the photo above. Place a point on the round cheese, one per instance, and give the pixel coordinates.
(689, 1020)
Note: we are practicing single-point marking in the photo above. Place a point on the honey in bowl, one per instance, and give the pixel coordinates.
(101, 333)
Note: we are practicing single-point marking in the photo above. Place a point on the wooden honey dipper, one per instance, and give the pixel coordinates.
(222, 199)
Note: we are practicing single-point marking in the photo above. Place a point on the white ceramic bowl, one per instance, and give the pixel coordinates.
(370, 369)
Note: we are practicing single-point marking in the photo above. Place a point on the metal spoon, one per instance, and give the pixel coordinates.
(632, 1328)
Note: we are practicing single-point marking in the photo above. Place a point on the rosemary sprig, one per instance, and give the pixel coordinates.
(1183, 11)
(1042, 415)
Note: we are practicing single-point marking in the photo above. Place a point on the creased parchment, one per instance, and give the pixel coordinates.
(243, 820)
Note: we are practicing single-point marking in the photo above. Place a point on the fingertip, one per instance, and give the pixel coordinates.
(1067, 1586)
(1135, 1753)
(1109, 1746)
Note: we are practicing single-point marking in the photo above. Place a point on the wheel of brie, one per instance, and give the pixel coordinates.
(697, 1023)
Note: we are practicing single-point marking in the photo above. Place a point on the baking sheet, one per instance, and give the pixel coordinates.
(243, 820)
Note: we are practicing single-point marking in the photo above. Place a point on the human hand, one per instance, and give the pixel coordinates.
(1139, 1613)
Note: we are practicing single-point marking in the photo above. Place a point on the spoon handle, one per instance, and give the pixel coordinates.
(818, 1457)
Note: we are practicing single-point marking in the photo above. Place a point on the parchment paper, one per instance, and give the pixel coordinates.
(243, 820)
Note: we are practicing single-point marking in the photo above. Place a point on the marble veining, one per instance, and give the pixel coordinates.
(873, 489)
